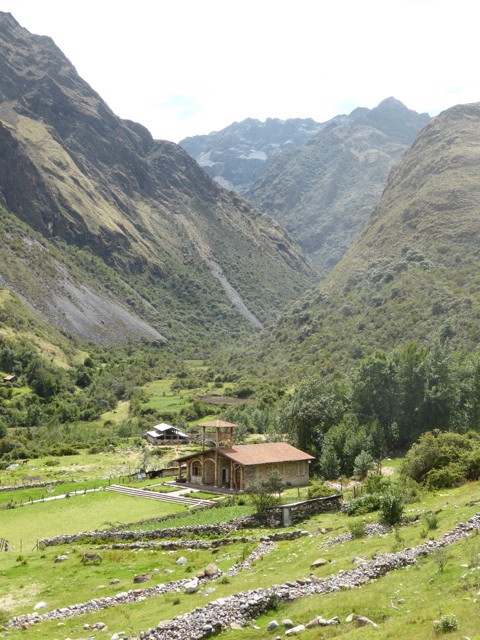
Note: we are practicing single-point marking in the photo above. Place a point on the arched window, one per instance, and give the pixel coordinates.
(196, 468)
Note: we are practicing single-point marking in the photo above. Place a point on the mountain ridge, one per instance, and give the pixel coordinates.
(76, 173)
(411, 274)
(324, 190)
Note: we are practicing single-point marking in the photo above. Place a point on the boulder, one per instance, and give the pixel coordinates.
(320, 562)
(362, 621)
(61, 558)
(181, 561)
(295, 630)
(288, 624)
(272, 625)
(192, 585)
(211, 570)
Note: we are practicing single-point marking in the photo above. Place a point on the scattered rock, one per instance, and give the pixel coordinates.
(114, 581)
(39, 605)
(320, 562)
(362, 621)
(272, 625)
(318, 621)
(350, 618)
(181, 561)
(61, 558)
(295, 630)
(142, 577)
(288, 624)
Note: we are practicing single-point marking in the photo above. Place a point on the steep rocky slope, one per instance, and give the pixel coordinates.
(411, 274)
(324, 190)
(133, 215)
(236, 156)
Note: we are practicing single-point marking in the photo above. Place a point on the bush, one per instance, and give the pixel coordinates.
(391, 508)
(318, 489)
(363, 464)
(53, 462)
(448, 622)
(365, 504)
(377, 484)
(451, 476)
(357, 529)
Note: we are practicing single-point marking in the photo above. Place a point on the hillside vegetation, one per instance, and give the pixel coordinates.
(411, 274)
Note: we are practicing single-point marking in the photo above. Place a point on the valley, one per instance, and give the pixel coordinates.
(308, 289)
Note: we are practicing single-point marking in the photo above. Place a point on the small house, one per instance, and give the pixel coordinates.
(165, 434)
(238, 467)
(10, 378)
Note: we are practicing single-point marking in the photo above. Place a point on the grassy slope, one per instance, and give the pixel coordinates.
(427, 593)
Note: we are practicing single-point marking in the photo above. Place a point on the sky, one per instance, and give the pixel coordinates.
(189, 67)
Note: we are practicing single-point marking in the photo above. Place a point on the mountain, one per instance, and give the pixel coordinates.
(324, 190)
(113, 235)
(411, 274)
(236, 156)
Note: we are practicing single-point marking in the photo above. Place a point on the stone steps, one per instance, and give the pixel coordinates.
(163, 497)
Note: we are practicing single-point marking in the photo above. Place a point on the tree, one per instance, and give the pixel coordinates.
(363, 464)
(375, 394)
(262, 495)
(308, 414)
(329, 463)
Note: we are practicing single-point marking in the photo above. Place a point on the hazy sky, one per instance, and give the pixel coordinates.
(187, 67)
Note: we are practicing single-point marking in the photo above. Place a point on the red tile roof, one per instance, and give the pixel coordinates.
(217, 423)
(264, 453)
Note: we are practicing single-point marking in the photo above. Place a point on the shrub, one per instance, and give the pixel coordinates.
(364, 504)
(357, 529)
(53, 462)
(451, 476)
(391, 508)
(376, 483)
(363, 464)
(441, 556)
(431, 521)
(318, 489)
(448, 622)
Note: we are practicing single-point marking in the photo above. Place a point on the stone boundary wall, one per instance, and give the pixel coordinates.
(135, 595)
(33, 485)
(204, 544)
(99, 537)
(245, 606)
(303, 510)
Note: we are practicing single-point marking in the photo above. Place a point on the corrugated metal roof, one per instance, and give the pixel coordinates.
(162, 426)
(264, 453)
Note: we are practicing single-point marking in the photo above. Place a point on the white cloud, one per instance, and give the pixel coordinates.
(186, 67)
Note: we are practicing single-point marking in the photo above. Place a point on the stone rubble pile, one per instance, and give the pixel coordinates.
(371, 530)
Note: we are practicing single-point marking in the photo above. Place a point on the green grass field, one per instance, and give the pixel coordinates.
(403, 604)
(87, 512)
